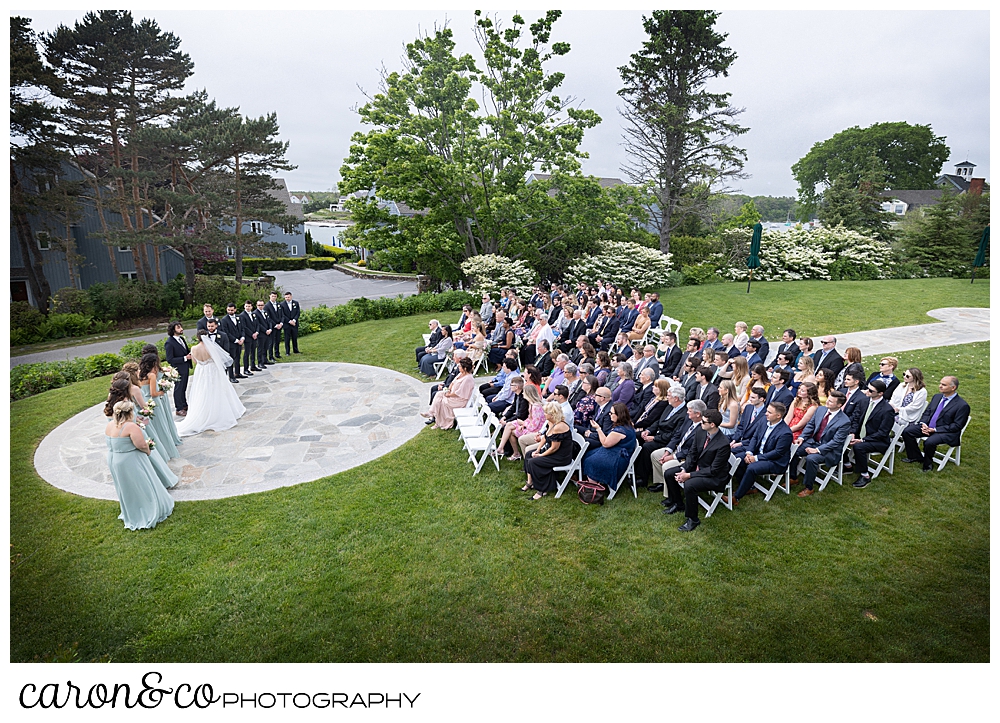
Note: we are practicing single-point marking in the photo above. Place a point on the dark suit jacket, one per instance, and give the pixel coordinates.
(765, 349)
(276, 312)
(517, 409)
(577, 327)
(733, 351)
(677, 441)
(785, 396)
(833, 436)
(663, 428)
(293, 313)
(690, 387)
(777, 448)
(640, 399)
(832, 362)
(593, 316)
(544, 364)
(879, 424)
(435, 336)
(858, 401)
(709, 462)
(671, 361)
(745, 430)
(264, 322)
(754, 359)
(223, 340)
(202, 324)
(710, 396)
(610, 331)
(248, 320)
(650, 419)
(176, 351)
(575, 395)
(628, 319)
(953, 417)
(603, 420)
(681, 361)
(231, 328)
(655, 312)
(554, 314)
(792, 348)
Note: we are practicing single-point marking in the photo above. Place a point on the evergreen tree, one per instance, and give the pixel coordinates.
(938, 242)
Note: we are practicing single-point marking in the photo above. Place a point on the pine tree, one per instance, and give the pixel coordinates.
(938, 242)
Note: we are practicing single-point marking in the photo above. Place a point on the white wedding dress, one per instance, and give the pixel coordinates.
(212, 401)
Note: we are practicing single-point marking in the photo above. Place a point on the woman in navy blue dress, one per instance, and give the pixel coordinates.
(607, 463)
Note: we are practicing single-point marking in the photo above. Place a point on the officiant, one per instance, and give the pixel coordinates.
(179, 357)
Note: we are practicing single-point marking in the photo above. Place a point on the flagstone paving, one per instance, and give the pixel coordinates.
(303, 421)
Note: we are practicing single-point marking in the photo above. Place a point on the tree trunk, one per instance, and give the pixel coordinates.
(666, 210)
(238, 256)
(31, 257)
(188, 274)
(137, 262)
(156, 260)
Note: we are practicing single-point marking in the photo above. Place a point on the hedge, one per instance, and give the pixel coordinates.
(257, 266)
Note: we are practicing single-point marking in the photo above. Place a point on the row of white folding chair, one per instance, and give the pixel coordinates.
(482, 440)
(886, 461)
(445, 364)
(952, 454)
(834, 473)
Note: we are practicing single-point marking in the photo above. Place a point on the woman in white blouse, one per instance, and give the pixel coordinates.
(910, 398)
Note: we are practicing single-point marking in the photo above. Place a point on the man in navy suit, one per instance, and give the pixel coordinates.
(672, 357)
(779, 391)
(827, 356)
(712, 340)
(753, 417)
(290, 310)
(603, 418)
(769, 451)
(752, 353)
(706, 469)
(179, 357)
(628, 316)
(873, 433)
(765, 348)
(822, 440)
(655, 311)
(942, 423)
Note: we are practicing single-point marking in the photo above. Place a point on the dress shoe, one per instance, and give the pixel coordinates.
(725, 500)
(805, 493)
(277, 356)
(255, 369)
(862, 481)
(182, 413)
(927, 469)
(658, 487)
(240, 376)
(793, 481)
(689, 525)
(296, 352)
(912, 461)
(234, 381)
(666, 502)
(672, 509)
(247, 373)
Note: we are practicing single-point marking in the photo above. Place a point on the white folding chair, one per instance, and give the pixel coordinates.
(574, 466)
(473, 406)
(485, 444)
(725, 497)
(835, 473)
(887, 460)
(427, 340)
(782, 481)
(440, 366)
(952, 454)
(629, 471)
(472, 425)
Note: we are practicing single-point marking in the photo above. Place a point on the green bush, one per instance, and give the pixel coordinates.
(72, 301)
(25, 317)
(132, 350)
(29, 379)
(844, 269)
(134, 299)
(100, 364)
(692, 250)
(59, 326)
(324, 263)
(254, 266)
(703, 273)
(357, 310)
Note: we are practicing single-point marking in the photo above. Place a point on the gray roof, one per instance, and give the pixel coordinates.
(965, 163)
(914, 199)
(280, 192)
(959, 183)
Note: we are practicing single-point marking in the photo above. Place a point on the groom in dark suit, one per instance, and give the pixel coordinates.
(222, 339)
(179, 357)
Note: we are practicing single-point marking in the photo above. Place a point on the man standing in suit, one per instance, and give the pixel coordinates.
(251, 338)
(208, 312)
(290, 312)
(828, 358)
(873, 434)
(672, 355)
(179, 357)
(769, 451)
(706, 469)
(658, 434)
(265, 329)
(942, 423)
(231, 327)
(655, 312)
(822, 440)
(222, 339)
(273, 309)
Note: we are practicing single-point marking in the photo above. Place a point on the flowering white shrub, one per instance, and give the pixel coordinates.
(623, 264)
(489, 273)
(821, 253)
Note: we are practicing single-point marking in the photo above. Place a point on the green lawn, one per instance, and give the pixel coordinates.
(408, 558)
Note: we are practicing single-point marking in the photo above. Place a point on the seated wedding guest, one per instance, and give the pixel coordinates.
(606, 330)
(788, 344)
(757, 333)
(706, 391)
(476, 345)
(856, 401)
(663, 458)
(463, 319)
(486, 310)
(828, 357)
(941, 423)
(729, 347)
(641, 326)
(621, 345)
(873, 434)
(643, 393)
(759, 377)
(576, 352)
(493, 387)
(887, 374)
(540, 331)
(910, 397)
(751, 416)
(513, 406)
(504, 342)
(779, 391)
(785, 360)
(769, 452)
(646, 359)
(456, 396)
(668, 354)
(706, 469)
(650, 413)
(514, 430)
(602, 415)
(558, 375)
(852, 360)
(805, 372)
(740, 336)
(555, 449)
(740, 377)
(655, 310)
(803, 408)
(689, 351)
(805, 345)
(721, 366)
(561, 395)
(752, 353)
(699, 335)
(625, 389)
(606, 463)
(821, 441)
(439, 352)
(689, 377)
(573, 382)
(657, 434)
(603, 367)
(586, 408)
(143, 499)
(712, 340)
(588, 355)
(729, 407)
(628, 317)
(533, 377)
(450, 377)
(544, 361)
(435, 326)
(824, 385)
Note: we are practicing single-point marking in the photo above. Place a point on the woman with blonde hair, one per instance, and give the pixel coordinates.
(144, 501)
(802, 409)
(740, 375)
(699, 335)
(805, 372)
(555, 449)
(740, 336)
(514, 430)
(641, 325)
(729, 407)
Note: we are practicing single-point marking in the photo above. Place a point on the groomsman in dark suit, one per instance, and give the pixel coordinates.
(179, 357)
(265, 328)
(942, 423)
(230, 325)
(290, 310)
(251, 336)
(223, 340)
(208, 312)
(273, 309)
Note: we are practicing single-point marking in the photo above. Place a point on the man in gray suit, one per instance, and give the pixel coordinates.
(822, 440)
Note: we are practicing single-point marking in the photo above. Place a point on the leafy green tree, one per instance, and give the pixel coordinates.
(746, 218)
(909, 156)
(938, 242)
(434, 147)
(678, 134)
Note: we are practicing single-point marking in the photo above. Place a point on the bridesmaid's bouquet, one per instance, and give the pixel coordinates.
(147, 412)
(170, 377)
(152, 444)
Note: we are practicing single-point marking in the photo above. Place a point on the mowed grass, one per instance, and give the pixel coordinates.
(409, 558)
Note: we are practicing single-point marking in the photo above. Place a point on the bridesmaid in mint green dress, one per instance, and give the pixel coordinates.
(121, 389)
(144, 502)
(132, 370)
(163, 418)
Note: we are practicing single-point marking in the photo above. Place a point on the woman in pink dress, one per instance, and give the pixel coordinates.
(445, 403)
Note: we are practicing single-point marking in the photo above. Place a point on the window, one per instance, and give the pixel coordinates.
(289, 230)
(43, 240)
(900, 209)
(230, 251)
(129, 275)
(295, 250)
(256, 227)
(124, 249)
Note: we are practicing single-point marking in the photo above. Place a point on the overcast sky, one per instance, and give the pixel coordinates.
(801, 76)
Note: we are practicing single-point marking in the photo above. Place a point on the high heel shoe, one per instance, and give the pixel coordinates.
(526, 488)
(539, 495)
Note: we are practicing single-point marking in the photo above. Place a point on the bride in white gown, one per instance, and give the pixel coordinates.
(212, 401)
